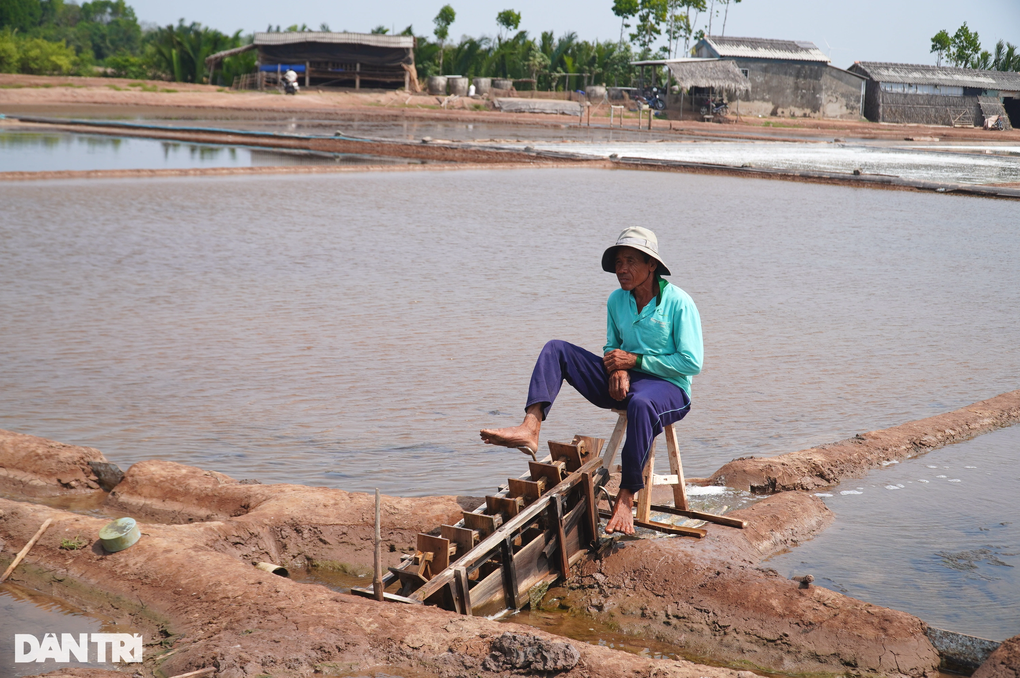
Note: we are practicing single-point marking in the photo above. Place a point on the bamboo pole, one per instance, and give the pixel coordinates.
(377, 584)
(195, 674)
(24, 551)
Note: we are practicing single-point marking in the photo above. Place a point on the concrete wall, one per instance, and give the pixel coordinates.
(799, 89)
(843, 94)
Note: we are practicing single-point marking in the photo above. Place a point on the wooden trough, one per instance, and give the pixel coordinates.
(528, 534)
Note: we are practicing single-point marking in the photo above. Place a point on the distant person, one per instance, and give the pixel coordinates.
(653, 348)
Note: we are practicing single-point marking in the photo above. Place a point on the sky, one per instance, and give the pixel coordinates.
(863, 30)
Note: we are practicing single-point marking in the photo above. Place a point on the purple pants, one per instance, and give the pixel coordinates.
(651, 402)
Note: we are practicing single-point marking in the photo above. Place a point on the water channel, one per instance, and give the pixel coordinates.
(361, 337)
(24, 151)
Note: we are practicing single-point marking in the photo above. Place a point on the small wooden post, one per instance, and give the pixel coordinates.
(357, 75)
(308, 74)
(24, 552)
(377, 584)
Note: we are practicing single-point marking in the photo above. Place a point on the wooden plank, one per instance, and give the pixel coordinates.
(484, 524)
(675, 467)
(663, 527)
(532, 566)
(529, 490)
(561, 537)
(507, 506)
(570, 454)
(463, 538)
(572, 528)
(710, 517)
(440, 550)
(509, 573)
(488, 593)
(463, 596)
(552, 474)
(410, 580)
(644, 498)
(615, 439)
(589, 446)
(489, 544)
(664, 480)
(391, 597)
(591, 507)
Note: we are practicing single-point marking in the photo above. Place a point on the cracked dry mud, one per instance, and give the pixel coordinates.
(189, 586)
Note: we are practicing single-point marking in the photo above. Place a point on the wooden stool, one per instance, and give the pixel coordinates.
(676, 479)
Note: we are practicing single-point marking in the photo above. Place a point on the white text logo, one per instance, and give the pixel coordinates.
(121, 647)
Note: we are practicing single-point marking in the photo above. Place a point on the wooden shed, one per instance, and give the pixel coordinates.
(327, 59)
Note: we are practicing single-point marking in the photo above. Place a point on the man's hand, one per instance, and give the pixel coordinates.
(619, 360)
(619, 384)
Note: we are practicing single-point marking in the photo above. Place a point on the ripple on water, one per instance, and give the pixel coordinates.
(945, 553)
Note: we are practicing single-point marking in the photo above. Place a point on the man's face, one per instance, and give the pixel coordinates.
(631, 268)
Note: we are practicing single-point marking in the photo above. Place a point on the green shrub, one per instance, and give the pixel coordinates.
(9, 55)
(40, 57)
(126, 66)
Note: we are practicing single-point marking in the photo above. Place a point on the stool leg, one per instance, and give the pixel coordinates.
(673, 452)
(609, 456)
(644, 498)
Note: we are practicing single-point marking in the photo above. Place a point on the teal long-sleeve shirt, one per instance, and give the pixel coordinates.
(665, 334)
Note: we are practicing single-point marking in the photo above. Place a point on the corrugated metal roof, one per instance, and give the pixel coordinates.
(763, 48)
(921, 74)
(370, 39)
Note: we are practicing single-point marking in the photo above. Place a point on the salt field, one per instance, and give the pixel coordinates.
(945, 164)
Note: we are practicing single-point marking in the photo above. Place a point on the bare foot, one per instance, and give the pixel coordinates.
(517, 436)
(622, 519)
(524, 436)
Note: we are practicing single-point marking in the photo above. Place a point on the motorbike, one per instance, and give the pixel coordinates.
(652, 97)
(290, 85)
(715, 108)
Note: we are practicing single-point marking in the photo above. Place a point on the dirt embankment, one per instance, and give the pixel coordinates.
(68, 96)
(189, 582)
(829, 464)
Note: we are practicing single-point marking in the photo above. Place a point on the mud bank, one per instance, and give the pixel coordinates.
(711, 598)
(852, 458)
(459, 155)
(189, 584)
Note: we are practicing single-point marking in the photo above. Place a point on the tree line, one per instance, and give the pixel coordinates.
(54, 37)
(963, 50)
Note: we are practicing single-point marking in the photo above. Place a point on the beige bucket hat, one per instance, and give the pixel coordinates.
(640, 238)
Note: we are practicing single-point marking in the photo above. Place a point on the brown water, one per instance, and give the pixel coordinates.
(360, 337)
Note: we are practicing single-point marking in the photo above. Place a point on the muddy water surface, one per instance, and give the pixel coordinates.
(937, 536)
(362, 336)
(22, 151)
(24, 611)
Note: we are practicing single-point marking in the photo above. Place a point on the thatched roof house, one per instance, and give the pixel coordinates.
(723, 76)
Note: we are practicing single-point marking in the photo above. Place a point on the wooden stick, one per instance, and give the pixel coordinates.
(377, 584)
(24, 551)
(195, 674)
